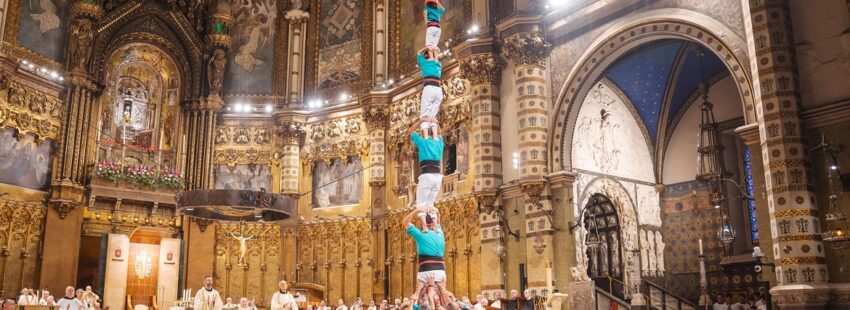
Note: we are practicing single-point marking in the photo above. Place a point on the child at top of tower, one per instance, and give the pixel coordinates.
(432, 92)
(433, 12)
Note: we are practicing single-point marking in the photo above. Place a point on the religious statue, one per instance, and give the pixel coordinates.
(215, 71)
(603, 257)
(581, 254)
(659, 253)
(243, 247)
(650, 246)
(644, 255)
(81, 40)
(615, 254)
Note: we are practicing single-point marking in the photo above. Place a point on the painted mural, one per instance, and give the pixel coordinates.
(412, 27)
(26, 163)
(341, 182)
(243, 176)
(339, 42)
(250, 67)
(42, 27)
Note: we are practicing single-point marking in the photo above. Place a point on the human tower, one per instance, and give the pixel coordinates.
(431, 292)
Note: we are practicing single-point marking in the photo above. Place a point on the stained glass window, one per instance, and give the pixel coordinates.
(750, 188)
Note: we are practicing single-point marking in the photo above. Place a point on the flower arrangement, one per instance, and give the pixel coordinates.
(141, 175)
(171, 178)
(108, 170)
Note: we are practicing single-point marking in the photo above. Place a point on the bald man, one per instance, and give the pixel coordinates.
(283, 299)
(69, 301)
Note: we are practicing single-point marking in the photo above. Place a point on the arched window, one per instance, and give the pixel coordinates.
(604, 251)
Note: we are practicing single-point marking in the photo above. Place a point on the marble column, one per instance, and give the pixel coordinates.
(797, 248)
(530, 53)
(295, 59)
(483, 69)
(291, 133)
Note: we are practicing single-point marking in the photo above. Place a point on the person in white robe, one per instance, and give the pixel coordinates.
(207, 298)
(245, 304)
(69, 301)
(90, 298)
(282, 299)
(497, 300)
(341, 305)
(230, 304)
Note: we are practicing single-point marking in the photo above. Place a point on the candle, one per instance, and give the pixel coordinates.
(700, 247)
(549, 283)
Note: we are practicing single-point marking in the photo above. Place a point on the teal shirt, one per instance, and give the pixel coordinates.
(431, 243)
(430, 68)
(429, 149)
(434, 14)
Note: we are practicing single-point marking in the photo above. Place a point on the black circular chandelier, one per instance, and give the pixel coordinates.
(235, 205)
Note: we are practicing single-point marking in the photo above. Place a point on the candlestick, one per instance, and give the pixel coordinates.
(700, 247)
(549, 284)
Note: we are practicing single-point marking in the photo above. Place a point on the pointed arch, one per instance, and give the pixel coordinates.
(148, 22)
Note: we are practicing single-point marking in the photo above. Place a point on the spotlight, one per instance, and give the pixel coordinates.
(25, 62)
(555, 3)
(269, 108)
(61, 78)
(833, 167)
(391, 82)
(43, 70)
(473, 29)
(717, 206)
(402, 77)
(238, 107)
(53, 74)
(343, 96)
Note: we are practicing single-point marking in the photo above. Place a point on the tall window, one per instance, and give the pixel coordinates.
(750, 188)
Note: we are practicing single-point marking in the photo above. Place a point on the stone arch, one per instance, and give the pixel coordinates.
(627, 211)
(628, 34)
(158, 26)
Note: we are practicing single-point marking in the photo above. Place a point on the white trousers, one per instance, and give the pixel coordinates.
(439, 275)
(432, 97)
(432, 37)
(428, 188)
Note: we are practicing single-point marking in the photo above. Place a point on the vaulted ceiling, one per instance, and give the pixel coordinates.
(661, 76)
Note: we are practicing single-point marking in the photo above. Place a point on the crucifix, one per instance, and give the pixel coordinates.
(243, 238)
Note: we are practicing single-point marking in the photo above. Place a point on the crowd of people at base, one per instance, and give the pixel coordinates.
(464, 303)
(751, 302)
(74, 299)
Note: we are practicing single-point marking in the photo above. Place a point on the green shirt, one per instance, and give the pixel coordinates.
(429, 149)
(430, 67)
(434, 14)
(431, 243)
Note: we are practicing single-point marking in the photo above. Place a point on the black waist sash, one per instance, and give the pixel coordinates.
(429, 166)
(431, 263)
(432, 23)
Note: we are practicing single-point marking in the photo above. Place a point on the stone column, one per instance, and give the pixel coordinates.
(381, 50)
(376, 118)
(483, 69)
(295, 64)
(291, 133)
(530, 54)
(797, 248)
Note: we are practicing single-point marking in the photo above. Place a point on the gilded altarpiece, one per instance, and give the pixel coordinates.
(247, 260)
(21, 231)
(343, 265)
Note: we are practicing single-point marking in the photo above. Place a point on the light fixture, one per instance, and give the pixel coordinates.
(473, 29)
(237, 107)
(391, 82)
(516, 160)
(836, 221)
(269, 108)
(344, 96)
(711, 169)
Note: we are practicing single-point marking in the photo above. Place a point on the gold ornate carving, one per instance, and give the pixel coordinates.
(375, 117)
(242, 135)
(21, 233)
(486, 199)
(245, 275)
(527, 49)
(28, 110)
(291, 132)
(533, 187)
(202, 223)
(63, 208)
(337, 138)
(482, 69)
(232, 157)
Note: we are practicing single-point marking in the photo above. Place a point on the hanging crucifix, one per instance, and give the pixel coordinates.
(242, 238)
